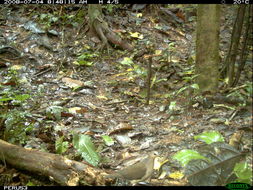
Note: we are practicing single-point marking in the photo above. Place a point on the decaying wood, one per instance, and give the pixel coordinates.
(60, 169)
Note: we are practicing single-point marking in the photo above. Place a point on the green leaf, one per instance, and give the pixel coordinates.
(184, 156)
(181, 90)
(195, 86)
(42, 16)
(158, 27)
(54, 112)
(210, 137)
(139, 70)
(153, 81)
(61, 146)
(16, 126)
(243, 172)
(189, 72)
(84, 62)
(172, 105)
(30, 184)
(85, 59)
(22, 97)
(86, 148)
(108, 140)
(5, 99)
(127, 61)
(248, 88)
(84, 56)
(160, 80)
(53, 19)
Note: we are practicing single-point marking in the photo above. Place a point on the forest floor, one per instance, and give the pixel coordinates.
(50, 57)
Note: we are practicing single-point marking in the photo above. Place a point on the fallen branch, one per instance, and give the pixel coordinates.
(60, 169)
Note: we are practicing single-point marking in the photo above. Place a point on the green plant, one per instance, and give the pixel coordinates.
(168, 52)
(155, 80)
(12, 75)
(72, 19)
(248, 89)
(60, 145)
(16, 122)
(243, 94)
(210, 137)
(108, 140)
(12, 95)
(48, 19)
(216, 163)
(10, 92)
(17, 126)
(54, 112)
(86, 148)
(243, 172)
(85, 58)
(185, 156)
(110, 7)
(193, 86)
(133, 70)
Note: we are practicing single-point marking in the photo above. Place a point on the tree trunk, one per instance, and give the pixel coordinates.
(246, 41)
(101, 28)
(236, 34)
(207, 47)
